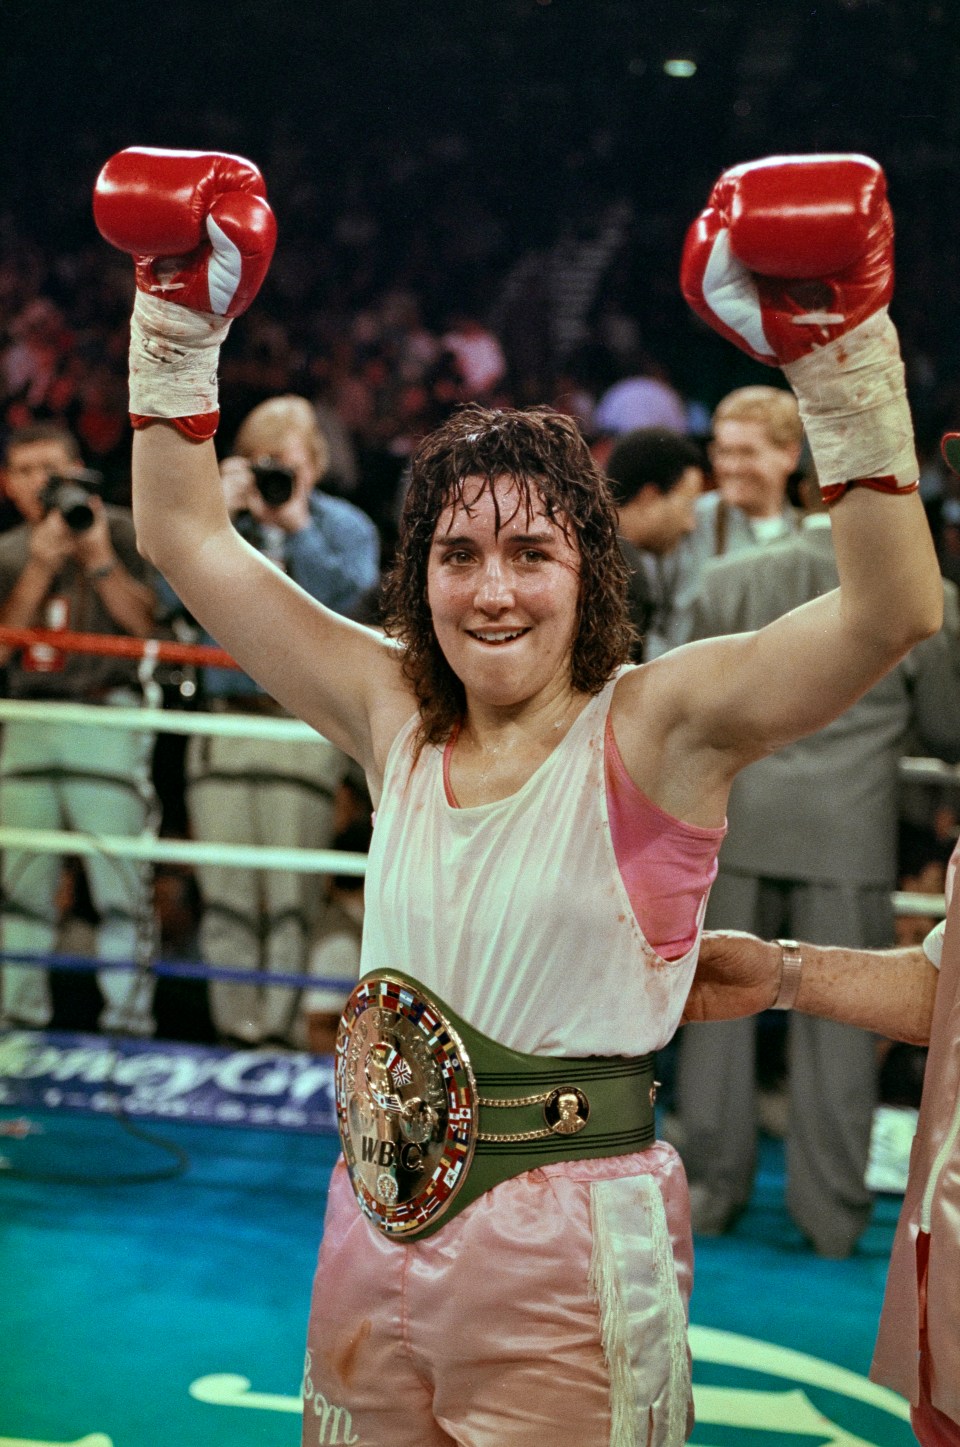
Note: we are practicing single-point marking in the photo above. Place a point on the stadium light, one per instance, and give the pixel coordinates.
(681, 68)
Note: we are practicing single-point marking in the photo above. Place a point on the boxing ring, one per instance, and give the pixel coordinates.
(156, 1276)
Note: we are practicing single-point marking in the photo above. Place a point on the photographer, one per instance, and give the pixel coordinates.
(71, 564)
(251, 791)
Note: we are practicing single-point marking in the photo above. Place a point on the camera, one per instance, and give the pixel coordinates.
(274, 481)
(69, 494)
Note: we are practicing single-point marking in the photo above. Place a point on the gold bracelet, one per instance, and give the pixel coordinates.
(791, 968)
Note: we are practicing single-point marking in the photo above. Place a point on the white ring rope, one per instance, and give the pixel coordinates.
(249, 856)
(928, 771)
(157, 720)
(172, 851)
(254, 726)
(183, 851)
(932, 906)
(253, 856)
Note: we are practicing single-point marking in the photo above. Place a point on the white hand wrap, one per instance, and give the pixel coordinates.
(173, 358)
(853, 402)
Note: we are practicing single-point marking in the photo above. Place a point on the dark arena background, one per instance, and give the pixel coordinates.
(524, 167)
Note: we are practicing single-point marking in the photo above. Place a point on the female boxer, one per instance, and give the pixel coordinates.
(506, 1257)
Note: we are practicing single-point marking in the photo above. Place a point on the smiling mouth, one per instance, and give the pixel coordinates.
(496, 636)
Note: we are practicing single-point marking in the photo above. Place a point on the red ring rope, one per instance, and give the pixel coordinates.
(113, 646)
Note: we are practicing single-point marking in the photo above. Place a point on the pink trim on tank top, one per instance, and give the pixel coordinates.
(666, 864)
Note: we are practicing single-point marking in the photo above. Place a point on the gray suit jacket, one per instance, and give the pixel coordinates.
(721, 531)
(826, 807)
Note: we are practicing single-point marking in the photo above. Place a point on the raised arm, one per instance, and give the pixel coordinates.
(202, 234)
(792, 261)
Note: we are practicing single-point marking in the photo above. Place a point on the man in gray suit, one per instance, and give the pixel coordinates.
(811, 854)
(755, 448)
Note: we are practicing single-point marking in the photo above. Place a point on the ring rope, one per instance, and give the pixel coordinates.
(928, 771)
(255, 726)
(156, 720)
(933, 906)
(147, 848)
(255, 856)
(109, 645)
(182, 851)
(172, 969)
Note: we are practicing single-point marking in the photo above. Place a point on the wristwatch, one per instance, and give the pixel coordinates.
(790, 972)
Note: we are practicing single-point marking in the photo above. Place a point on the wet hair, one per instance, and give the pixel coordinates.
(543, 452)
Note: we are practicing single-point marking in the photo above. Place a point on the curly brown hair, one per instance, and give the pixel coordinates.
(544, 453)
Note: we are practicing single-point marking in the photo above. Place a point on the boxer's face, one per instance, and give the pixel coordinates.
(750, 469)
(29, 465)
(503, 592)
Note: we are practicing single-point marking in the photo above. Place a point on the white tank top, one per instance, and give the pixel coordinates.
(515, 912)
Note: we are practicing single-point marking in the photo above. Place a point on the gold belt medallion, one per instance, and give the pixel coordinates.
(407, 1106)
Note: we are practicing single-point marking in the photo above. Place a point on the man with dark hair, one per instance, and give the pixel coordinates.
(655, 477)
(83, 574)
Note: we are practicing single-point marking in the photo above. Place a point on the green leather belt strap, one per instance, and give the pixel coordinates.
(519, 1094)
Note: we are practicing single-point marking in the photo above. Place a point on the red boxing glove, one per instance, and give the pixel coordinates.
(791, 253)
(202, 235)
(208, 210)
(792, 261)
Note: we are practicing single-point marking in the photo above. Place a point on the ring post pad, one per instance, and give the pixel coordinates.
(432, 1112)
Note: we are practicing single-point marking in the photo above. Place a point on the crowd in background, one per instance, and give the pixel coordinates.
(514, 178)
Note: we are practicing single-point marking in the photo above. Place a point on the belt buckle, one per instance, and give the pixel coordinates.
(407, 1105)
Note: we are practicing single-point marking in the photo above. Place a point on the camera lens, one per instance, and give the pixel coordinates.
(274, 481)
(74, 504)
(70, 495)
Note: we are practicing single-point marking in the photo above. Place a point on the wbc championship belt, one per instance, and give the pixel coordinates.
(423, 1098)
(407, 1105)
